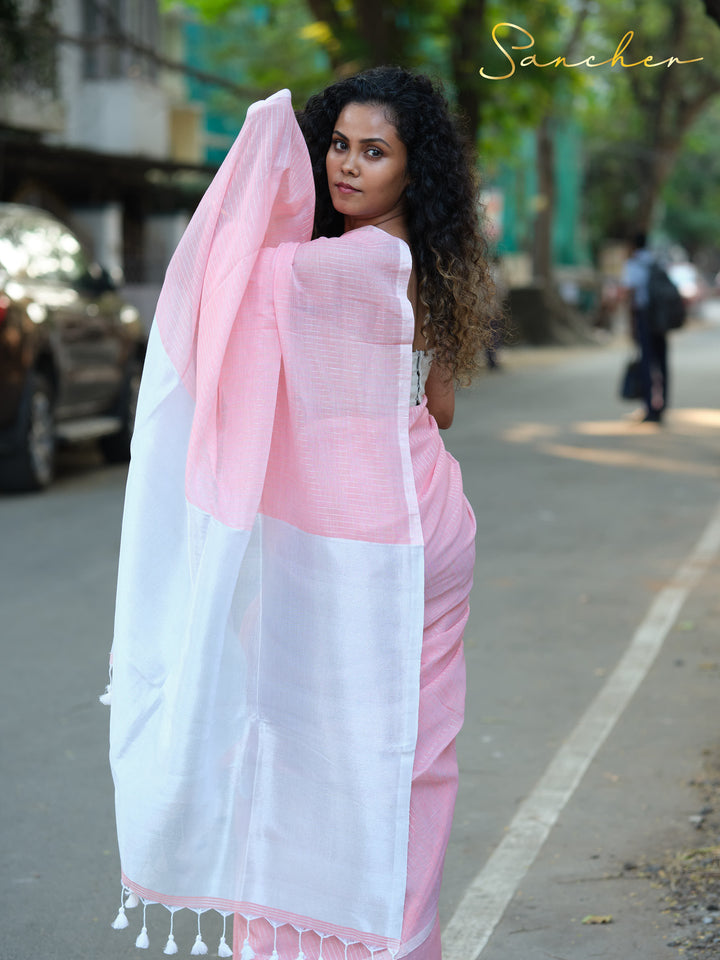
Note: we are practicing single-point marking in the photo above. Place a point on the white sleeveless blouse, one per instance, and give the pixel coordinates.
(421, 363)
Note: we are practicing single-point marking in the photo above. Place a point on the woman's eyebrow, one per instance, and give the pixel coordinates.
(365, 140)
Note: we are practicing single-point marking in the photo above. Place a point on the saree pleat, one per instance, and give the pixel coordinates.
(449, 535)
(448, 528)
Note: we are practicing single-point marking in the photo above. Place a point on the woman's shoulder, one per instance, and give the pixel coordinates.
(371, 237)
(364, 252)
(361, 281)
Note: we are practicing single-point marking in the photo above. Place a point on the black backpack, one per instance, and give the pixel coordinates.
(666, 307)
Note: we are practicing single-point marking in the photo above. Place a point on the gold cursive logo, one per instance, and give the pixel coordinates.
(532, 61)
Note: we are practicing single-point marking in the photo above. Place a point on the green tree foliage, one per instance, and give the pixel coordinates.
(637, 120)
(634, 118)
(452, 39)
(275, 40)
(263, 47)
(691, 198)
(359, 33)
(520, 101)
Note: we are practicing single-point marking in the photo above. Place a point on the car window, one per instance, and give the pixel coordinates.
(13, 256)
(71, 257)
(42, 251)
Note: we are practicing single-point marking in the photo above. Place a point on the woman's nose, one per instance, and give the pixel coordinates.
(349, 165)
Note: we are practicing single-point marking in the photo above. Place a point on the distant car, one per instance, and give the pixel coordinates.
(689, 281)
(71, 350)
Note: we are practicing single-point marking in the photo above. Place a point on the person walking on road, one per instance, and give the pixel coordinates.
(652, 342)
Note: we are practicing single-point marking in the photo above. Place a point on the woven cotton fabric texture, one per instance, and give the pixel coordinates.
(269, 732)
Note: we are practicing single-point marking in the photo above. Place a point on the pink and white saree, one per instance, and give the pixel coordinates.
(295, 563)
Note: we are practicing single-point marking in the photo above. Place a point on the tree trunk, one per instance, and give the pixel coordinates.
(539, 314)
(712, 8)
(542, 253)
(326, 11)
(668, 141)
(549, 319)
(666, 124)
(659, 167)
(377, 25)
(466, 36)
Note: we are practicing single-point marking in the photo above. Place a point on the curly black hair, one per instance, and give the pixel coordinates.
(443, 219)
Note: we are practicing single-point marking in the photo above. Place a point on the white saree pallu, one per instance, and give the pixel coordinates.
(271, 595)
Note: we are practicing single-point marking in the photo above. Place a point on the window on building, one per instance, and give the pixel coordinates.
(116, 32)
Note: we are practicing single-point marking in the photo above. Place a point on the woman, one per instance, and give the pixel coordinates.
(288, 670)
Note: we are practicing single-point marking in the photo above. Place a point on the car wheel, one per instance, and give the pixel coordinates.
(116, 447)
(32, 466)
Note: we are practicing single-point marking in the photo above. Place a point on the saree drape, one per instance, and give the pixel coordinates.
(270, 602)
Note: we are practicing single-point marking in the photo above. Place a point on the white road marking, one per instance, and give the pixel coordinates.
(487, 897)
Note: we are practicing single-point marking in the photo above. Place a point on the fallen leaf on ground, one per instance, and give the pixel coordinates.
(595, 918)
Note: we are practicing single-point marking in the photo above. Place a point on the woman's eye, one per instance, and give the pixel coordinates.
(339, 144)
(375, 152)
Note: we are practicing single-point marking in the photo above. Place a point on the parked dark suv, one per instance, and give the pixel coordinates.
(71, 350)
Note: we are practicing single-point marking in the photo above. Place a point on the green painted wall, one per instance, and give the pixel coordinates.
(518, 183)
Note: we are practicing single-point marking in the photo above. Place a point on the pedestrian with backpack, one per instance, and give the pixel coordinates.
(657, 307)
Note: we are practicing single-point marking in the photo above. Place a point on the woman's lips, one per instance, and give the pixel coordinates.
(346, 188)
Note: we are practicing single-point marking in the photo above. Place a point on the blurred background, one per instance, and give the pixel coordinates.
(114, 115)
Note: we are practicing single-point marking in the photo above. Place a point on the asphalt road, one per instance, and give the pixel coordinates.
(583, 518)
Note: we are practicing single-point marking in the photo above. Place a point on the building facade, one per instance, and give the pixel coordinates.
(96, 125)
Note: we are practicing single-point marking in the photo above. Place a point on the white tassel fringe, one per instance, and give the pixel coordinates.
(120, 921)
(199, 948)
(170, 946)
(274, 954)
(223, 949)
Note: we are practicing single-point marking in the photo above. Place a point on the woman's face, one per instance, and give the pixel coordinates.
(366, 166)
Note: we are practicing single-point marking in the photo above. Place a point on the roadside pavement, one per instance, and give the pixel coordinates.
(595, 524)
(584, 520)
